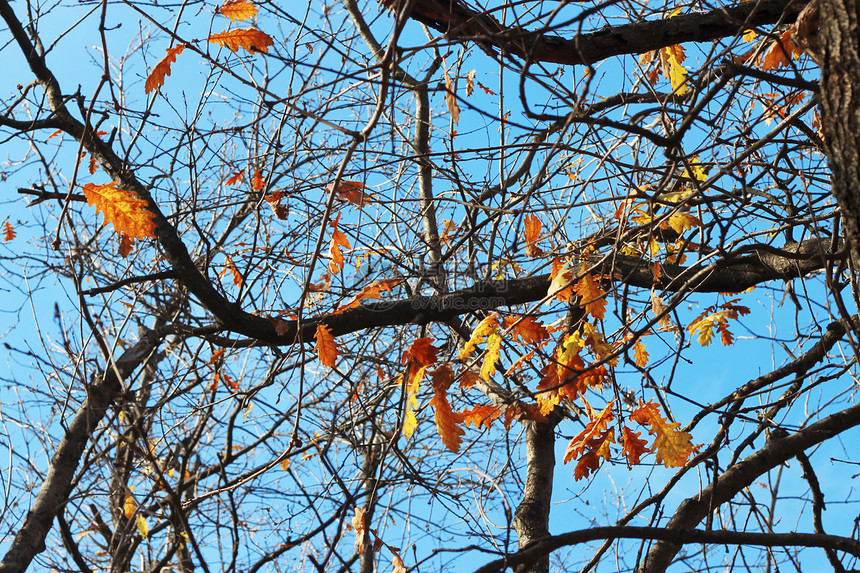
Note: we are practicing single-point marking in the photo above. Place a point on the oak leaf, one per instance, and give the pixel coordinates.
(249, 39)
(126, 245)
(142, 527)
(373, 290)
(527, 328)
(532, 231)
(326, 346)
(447, 421)
(486, 327)
(672, 58)
(162, 69)
(126, 211)
(257, 182)
(672, 446)
(633, 447)
(421, 351)
(338, 240)
(560, 278)
(235, 178)
(491, 356)
(640, 355)
(360, 527)
(482, 414)
(8, 232)
(591, 444)
(238, 10)
(351, 192)
(592, 298)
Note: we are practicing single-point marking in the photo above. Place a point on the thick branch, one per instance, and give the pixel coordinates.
(636, 38)
(718, 537)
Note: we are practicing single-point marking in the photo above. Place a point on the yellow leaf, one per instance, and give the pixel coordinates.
(681, 222)
(162, 69)
(128, 506)
(125, 210)
(640, 355)
(238, 10)
(491, 356)
(250, 39)
(484, 328)
(360, 526)
(676, 72)
(326, 346)
(142, 527)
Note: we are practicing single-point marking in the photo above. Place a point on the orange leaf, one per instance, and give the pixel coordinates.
(125, 210)
(481, 415)
(446, 419)
(216, 356)
(129, 506)
(326, 346)
(421, 351)
(672, 446)
(533, 228)
(257, 183)
(235, 178)
(250, 39)
(529, 329)
(338, 239)
(93, 165)
(634, 447)
(351, 191)
(775, 56)
(8, 232)
(590, 435)
(373, 290)
(162, 69)
(592, 298)
(55, 134)
(231, 267)
(238, 10)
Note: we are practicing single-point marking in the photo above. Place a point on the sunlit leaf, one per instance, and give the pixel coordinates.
(162, 69)
(447, 421)
(8, 232)
(126, 211)
(249, 39)
(592, 298)
(238, 10)
(326, 346)
(533, 228)
(672, 446)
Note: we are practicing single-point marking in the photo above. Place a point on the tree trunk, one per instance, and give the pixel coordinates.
(531, 519)
(839, 41)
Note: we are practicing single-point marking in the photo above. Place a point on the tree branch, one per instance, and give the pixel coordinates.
(459, 21)
(679, 536)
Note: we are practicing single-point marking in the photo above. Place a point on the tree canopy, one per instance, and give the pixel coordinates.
(429, 285)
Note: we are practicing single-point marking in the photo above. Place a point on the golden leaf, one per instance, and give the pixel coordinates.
(238, 10)
(250, 39)
(673, 447)
(592, 298)
(125, 210)
(491, 356)
(162, 69)
(446, 419)
(338, 239)
(533, 227)
(326, 346)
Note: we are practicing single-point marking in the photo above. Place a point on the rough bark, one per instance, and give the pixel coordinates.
(531, 519)
(839, 41)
